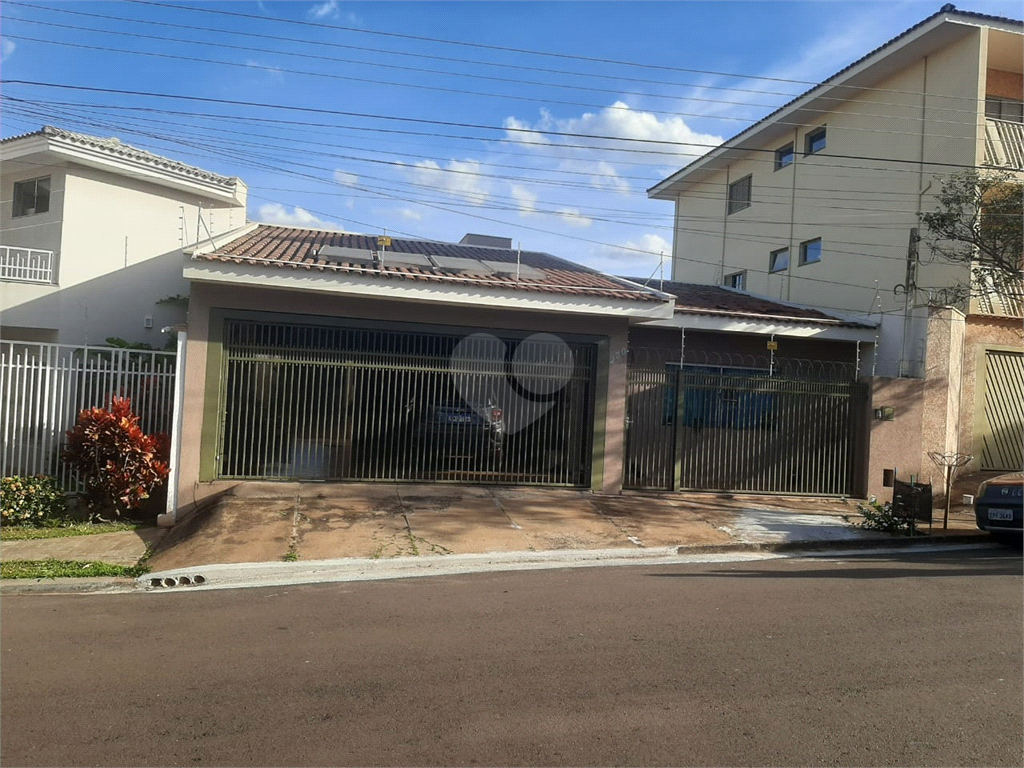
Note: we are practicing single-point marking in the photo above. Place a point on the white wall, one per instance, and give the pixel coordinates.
(119, 242)
(862, 205)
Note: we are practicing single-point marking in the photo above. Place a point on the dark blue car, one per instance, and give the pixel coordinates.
(999, 505)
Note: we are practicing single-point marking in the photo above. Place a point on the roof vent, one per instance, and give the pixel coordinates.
(487, 241)
(947, 8)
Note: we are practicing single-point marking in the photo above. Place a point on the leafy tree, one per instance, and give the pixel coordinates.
(979, 222)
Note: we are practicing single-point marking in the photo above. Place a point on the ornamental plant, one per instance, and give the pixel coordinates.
(119, 463)
(36, 501)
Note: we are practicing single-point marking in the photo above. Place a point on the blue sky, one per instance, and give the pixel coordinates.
(382, 166)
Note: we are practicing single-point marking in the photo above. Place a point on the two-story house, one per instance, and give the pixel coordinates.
(820, 204)
(91, 233)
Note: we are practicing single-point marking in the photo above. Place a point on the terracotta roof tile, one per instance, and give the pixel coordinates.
(692, 298)
(290, 247)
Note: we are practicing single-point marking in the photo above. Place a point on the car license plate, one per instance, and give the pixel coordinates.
(1001, 514)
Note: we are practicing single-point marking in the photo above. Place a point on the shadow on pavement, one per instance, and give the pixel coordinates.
(1004, 561)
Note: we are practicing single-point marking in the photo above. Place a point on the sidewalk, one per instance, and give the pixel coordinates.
(360, 527)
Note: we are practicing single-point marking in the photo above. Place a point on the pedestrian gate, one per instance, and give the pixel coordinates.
(327, 402)
(730, 429)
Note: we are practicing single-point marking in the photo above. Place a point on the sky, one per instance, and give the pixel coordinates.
(533, 121)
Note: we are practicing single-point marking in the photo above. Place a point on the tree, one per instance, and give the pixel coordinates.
(979, 222)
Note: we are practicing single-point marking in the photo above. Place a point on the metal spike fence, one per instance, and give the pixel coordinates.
(43, 387)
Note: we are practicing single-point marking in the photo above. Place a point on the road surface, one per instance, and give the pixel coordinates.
(900, 659)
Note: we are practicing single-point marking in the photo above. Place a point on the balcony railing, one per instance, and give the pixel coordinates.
(1004, 143)
(27, 265)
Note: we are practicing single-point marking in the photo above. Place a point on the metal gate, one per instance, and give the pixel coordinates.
(1002, 411)
(742, 429)
(328, 402)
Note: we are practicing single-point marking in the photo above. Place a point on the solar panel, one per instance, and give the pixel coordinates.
(509, 268)
(340, 254)
(456, 264)
(394, 258)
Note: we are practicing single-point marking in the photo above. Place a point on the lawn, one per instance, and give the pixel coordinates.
(24, 532)
(52, 569)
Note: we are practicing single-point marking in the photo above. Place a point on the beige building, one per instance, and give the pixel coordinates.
(819, 202)
(91, 232)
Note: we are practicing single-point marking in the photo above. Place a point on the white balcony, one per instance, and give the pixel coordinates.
(27, 265)
(1004, 143)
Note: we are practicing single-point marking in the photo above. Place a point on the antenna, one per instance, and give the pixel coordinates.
(661, 270)
(519, 258)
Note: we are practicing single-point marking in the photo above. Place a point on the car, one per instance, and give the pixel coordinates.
(453, 433)
(999, 505)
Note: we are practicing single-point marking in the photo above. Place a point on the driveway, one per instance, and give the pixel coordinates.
(258, 522)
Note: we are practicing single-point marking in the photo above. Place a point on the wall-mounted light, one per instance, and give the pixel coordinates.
(885, 413)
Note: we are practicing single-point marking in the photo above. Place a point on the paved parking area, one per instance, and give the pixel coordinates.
(256, 522)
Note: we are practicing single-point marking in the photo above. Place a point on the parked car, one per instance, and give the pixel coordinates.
(999, 505)
(452, 431)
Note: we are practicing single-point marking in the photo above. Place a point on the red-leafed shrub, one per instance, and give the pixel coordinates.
(119, 463)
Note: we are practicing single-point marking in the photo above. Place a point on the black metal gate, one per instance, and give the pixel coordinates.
(329, 402)
(735, 429)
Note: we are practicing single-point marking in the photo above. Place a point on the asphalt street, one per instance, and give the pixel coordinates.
(896, 659)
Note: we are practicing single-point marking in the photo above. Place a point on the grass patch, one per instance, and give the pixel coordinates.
(62, 569)
(24, 532)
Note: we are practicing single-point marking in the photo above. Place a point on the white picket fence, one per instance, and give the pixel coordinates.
(43, 387)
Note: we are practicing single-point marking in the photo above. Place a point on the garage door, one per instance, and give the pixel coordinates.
(1001, 416)
(328, 402)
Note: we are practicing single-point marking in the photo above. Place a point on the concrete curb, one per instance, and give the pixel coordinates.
(819, 545)
(99, 585)
(268, 574)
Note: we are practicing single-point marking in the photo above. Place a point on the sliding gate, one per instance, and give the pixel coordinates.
(726, 429)
(327, 402)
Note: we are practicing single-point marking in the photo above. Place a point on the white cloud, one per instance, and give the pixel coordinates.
(652, 243)
(6, 48)
(607, 177)
(574, 217)
(410, 213)
(638, 256)
(275, 213)
(327, 10)
(274, 72)
(346, 178)
(459, 178)
(526, 200)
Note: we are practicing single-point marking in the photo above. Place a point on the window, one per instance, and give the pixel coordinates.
(737, 280)
(779, 260)
(810, 251)
(31, 197)
(739, 194)
(784, 156)
(1004, 109)
(815, 141)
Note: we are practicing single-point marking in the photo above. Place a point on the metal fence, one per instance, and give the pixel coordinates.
(326, 402)
(43, 387)
(788, 426)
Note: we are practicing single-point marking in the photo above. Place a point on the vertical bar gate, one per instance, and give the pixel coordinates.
(728, 429)
(329, 402)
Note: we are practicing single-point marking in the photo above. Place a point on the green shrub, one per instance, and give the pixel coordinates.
(880, 517)
(30, 500)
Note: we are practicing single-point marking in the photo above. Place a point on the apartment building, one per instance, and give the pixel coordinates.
(91, 233)
(820, 204)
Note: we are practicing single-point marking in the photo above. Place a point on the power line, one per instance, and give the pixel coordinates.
(519, 82)
(347, 113)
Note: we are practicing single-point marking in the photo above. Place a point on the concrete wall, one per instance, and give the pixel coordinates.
(118, 241)
(897, 443)
(204, 297)
(862, 209)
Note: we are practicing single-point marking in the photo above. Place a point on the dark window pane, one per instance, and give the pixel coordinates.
(993, 108)
(783, 156)
(815, 141)
(739, 194)
(780, 260)
(810, 252)
(43, 195)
